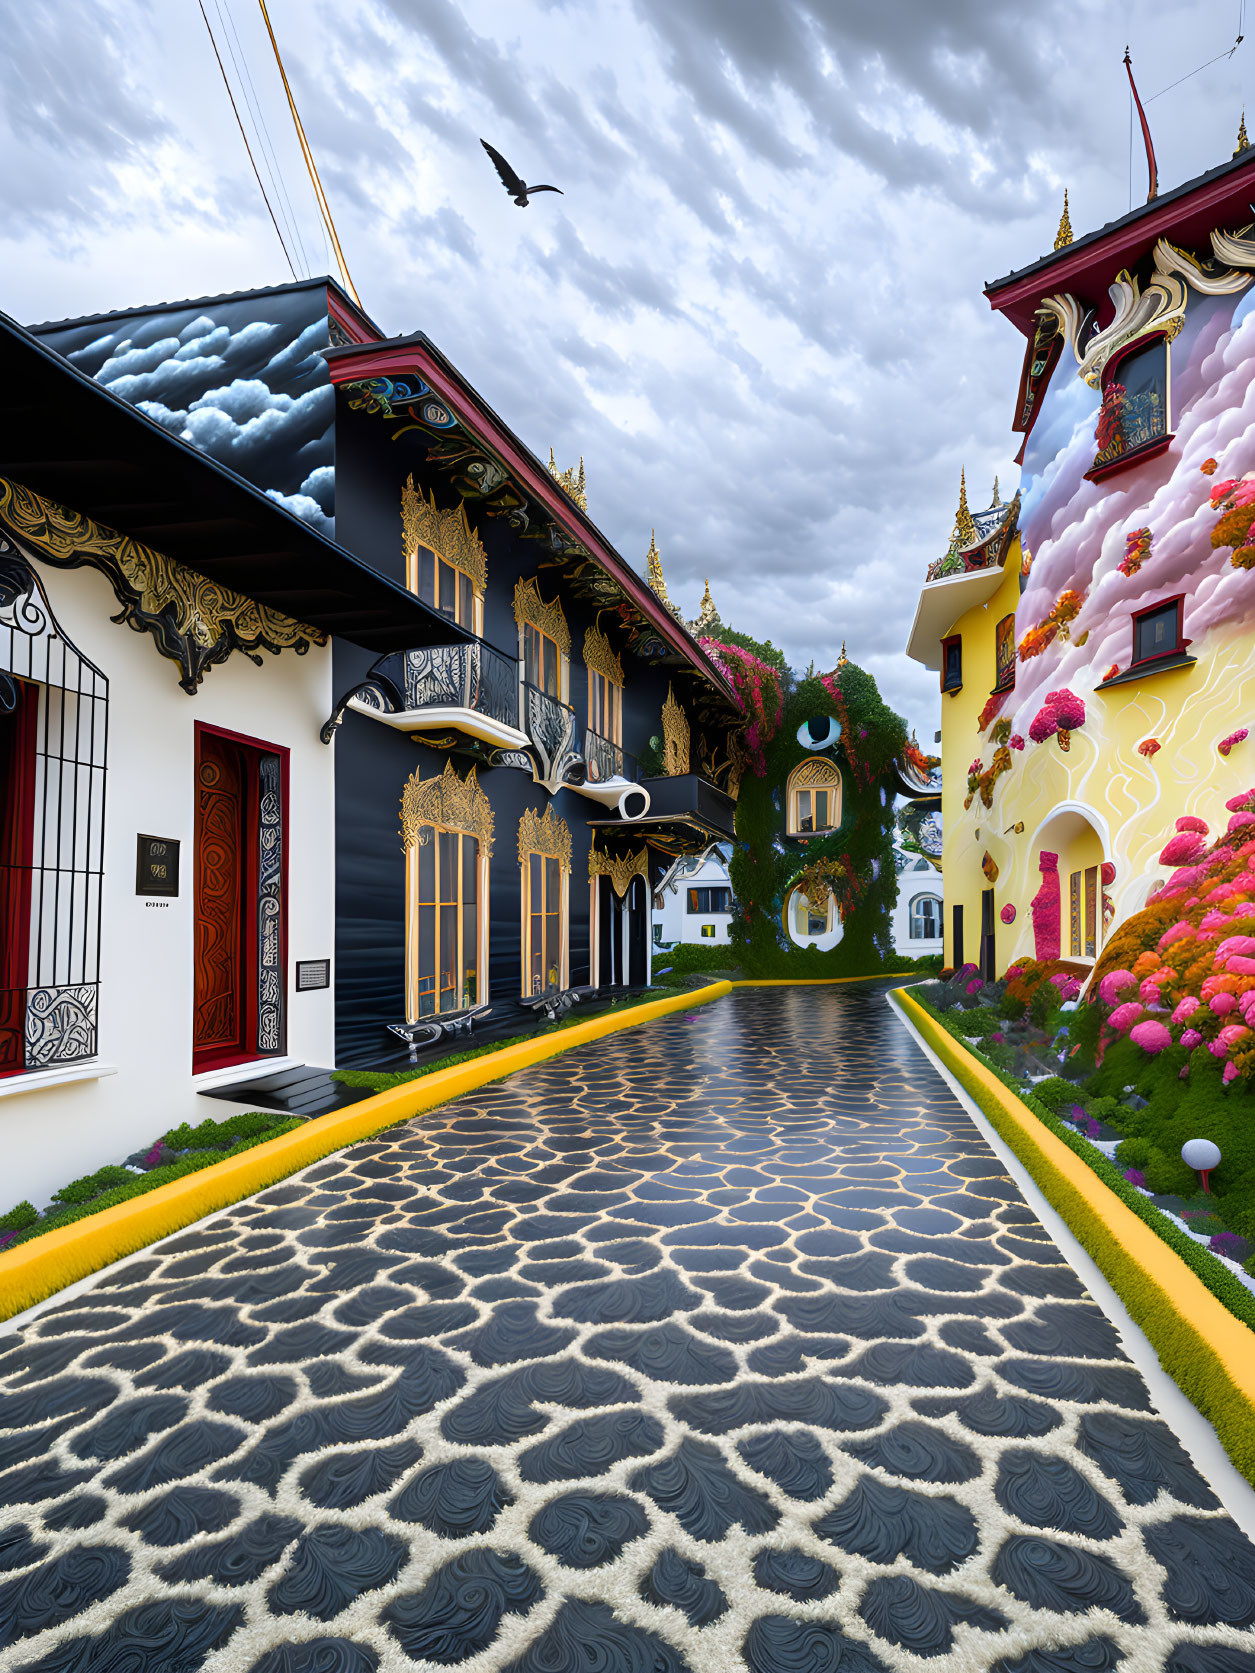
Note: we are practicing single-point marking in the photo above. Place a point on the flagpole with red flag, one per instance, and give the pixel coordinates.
(1151, 165)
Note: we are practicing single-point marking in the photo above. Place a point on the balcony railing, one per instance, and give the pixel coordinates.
(554, 733)
(607, 760)
(473, 676)
(966, 563)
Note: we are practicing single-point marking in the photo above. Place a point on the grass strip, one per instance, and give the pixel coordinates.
(1197, 1319)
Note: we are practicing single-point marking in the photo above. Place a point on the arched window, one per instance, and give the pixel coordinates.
(1133, 419)
(814, 796)
(545, 862)
(926, 918)
(446, 827)
(810, 922)
(544, 641)
(445, 562)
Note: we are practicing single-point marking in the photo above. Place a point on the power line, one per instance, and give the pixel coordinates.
(323, 205)
(230, 95)
(273, 169)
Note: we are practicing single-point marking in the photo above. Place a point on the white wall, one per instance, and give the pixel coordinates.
(51, 1134)
(910, 884)
(674, 918)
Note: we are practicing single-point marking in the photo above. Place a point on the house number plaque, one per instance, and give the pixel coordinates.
(156, 865)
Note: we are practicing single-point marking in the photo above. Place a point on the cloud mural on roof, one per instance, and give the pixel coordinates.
(252, 392)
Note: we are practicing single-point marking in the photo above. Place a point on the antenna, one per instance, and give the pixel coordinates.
(320, 195)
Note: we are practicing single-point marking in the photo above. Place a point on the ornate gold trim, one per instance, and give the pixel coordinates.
(620, 872)
(675, 737)
(572, 484)
(599, 655)
(196, 622)
(447, 533)
(530, 607)
(545, 835)
(814, 773)
(449, 801)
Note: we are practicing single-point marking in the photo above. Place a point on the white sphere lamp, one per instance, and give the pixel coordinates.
(1201, 1155)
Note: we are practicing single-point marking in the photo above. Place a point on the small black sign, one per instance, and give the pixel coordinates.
(156, 865)
(312, 973)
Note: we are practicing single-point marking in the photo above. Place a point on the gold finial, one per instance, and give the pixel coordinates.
(707, 615)
(569, 481)
(964, 526)
(653, 571)
(1243, 144)
(842, 659)
(1064, 235)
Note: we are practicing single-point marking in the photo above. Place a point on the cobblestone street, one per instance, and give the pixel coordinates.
(723, 1343)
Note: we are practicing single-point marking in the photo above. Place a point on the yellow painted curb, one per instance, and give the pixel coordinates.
(1200, 1343)
(822, 981)
(37, 1269)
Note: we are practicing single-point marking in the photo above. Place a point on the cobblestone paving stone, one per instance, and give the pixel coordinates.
(725, 1343)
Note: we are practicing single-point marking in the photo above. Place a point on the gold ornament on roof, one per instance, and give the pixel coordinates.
(843, 658)
(1243, 144)
(653, 571)
(531, 608)
(453, 803)
(1064, 235)
(569, 481)
(707, 615)
(620, 872)
(446, 533)
(599, 655)
(964, 524)
(675, 737)
(545, 835)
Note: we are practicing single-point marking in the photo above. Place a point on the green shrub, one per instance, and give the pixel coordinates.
(1058, 1094)
(1102, 1109)
(253, 1124)
(17, 1219)
(92, 1184)
(1168, 1176)
(1044, 1005)
(1013, 1009)
(1134, 1153)
(696, 955)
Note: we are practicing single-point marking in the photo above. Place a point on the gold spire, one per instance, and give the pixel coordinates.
(1243, 144)
(707, 615)
(843, 658)
(569, 480)
(964, 526)
(1064, 235)
(653, 571)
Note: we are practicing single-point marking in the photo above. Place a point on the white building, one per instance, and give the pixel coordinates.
(693, 901)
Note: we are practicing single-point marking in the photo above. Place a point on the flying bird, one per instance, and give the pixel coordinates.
(518, 189)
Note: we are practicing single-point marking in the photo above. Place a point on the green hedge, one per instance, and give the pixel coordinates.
(112, 1184)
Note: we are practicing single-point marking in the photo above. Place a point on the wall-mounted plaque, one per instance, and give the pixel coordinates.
(312, 973)
(156, 865)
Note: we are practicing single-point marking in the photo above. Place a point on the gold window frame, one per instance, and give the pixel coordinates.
(457, 806)
(811, 775)
(602, 663)
(452, 540)
(548, 838)
(531, 610)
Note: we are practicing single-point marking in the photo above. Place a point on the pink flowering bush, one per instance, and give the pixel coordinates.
(756, 687)
(1152, 1036)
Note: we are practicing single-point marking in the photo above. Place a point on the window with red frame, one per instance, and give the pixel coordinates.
(1134, 412)
(1157, 632)
(19, 705)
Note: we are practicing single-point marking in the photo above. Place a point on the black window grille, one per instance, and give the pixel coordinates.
(53, 743)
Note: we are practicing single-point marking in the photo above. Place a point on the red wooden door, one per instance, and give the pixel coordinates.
(17, 819)
(221, 941)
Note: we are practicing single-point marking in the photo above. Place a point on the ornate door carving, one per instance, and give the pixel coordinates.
(221, 807)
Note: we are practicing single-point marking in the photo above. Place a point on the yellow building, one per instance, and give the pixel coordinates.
(1095, 637)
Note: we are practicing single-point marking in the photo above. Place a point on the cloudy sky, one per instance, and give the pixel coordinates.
(757, 310)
